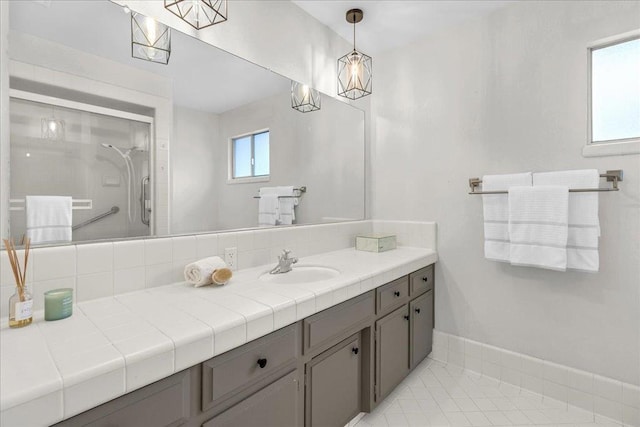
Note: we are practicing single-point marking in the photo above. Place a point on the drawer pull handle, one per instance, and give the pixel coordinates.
(355, 350)
(406, 317)
(262, 363)
(396, 293)
(425, 279)
(418, 310)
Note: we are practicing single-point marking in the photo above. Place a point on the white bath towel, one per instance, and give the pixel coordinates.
(584, 223)
(49, 219)
(496, 213)
(538, 226)
(199, 272)
(268, 210)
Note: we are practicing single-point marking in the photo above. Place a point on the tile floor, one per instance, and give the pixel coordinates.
(435, 394)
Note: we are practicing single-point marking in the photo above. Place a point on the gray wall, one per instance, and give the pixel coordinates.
(504, 94)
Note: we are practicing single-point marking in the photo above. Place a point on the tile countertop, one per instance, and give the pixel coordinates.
(111, 346)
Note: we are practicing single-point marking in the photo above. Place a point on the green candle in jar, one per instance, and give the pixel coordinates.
(58, 304)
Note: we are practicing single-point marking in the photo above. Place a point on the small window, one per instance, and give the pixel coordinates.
(615, 91)
(250, 156)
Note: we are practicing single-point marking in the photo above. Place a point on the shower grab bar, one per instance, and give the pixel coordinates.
(114, 210)
(76, 204)
(145, 210)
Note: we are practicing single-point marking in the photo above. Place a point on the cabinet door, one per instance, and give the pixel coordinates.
(334, 385)
(392, 351)
(274, 406)
(421, 310)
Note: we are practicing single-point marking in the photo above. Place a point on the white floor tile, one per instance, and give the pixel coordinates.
(437, 395)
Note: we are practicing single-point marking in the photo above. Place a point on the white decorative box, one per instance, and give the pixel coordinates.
(376, 242)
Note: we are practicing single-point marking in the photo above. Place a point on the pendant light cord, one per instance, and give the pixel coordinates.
(354, 31)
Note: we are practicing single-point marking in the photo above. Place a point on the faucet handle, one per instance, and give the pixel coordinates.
(285, 253)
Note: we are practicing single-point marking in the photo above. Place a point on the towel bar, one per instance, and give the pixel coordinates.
(614, 176)
(76, 204)
(300, 190)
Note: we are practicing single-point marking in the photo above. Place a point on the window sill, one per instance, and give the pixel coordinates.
(248, 180)
(612, 149)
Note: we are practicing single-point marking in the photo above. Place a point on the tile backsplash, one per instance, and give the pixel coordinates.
(97, 270)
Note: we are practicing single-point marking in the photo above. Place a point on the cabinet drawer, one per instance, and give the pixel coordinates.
(224, 375)
(392, 295)
(163, 403)
(276, 405)
(321, 328)
(421, 280)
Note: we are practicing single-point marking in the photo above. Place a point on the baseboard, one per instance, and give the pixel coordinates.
(605, 397)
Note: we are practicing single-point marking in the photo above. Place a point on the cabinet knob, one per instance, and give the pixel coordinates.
(406, 317)
(262, 363)
(396, 293)
(418, 310)
(355, 350)
(425, 279)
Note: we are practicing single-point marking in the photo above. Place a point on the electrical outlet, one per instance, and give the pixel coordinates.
(231, 257)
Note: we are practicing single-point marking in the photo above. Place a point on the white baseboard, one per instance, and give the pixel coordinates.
(603, 396)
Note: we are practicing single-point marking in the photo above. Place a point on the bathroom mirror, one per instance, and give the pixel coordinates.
(139, 148)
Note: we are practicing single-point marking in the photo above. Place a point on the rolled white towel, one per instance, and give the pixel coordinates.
(199, 272)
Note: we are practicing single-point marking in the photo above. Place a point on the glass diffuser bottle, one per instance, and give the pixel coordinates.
(20, 303)
(20, 308)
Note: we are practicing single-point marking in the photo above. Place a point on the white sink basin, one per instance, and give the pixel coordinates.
(301, 274)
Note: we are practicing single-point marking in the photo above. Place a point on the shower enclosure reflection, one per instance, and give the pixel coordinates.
(98, 157)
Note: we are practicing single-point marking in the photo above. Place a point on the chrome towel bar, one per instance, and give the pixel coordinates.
(300, 190)
(613, 176)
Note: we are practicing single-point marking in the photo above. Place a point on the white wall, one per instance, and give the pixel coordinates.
(194, 186)
(322, 150)
(507, 93)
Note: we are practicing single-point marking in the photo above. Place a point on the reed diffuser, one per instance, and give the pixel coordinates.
(20, 303)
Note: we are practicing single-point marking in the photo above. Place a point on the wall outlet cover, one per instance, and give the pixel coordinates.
(231, 257)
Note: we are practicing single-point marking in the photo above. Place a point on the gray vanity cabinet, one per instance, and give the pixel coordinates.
(421, 326)
(334, 385)
(277, 405)
(392, 351)
(318, 372)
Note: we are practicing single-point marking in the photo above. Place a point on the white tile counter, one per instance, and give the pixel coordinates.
(111, 346)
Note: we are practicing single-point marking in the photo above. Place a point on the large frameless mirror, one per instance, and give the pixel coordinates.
(106, 145)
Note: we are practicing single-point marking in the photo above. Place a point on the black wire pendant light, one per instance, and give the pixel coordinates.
(198, 13)
(355, 68)
(304, 98)
(150, 40)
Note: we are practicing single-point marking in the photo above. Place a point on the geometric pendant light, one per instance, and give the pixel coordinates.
(304, 98)
(198, 13)
(355, 68)
(150, 39)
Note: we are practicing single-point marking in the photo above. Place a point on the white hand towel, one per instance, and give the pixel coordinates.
(286, 202)
(538, 229)
(199, 272)
(496, 213)
(267, 210)
(49, 218)
(584, 223)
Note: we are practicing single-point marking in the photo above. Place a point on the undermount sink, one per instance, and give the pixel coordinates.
(301, 274)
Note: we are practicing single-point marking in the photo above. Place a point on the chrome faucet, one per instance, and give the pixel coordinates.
(284, 263)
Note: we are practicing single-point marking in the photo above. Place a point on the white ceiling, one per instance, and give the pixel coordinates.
(209, 79)
(393, 23)
(204, 78)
